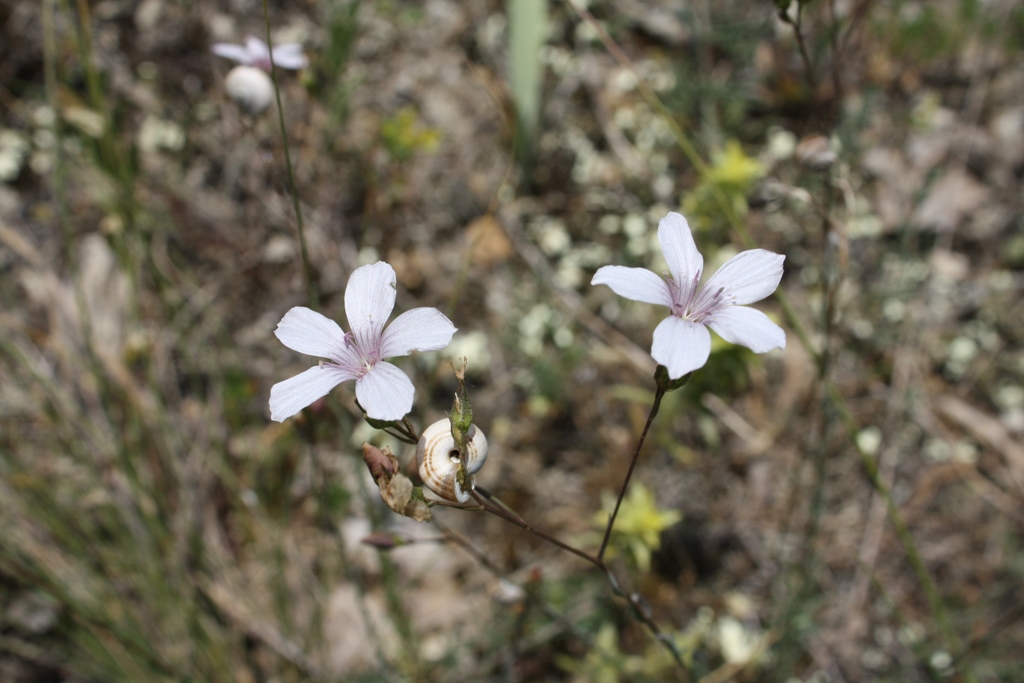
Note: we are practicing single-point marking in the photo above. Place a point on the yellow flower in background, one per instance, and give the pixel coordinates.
(604, 662)
(403, 134)
(732, 168)
(729, 178)
(639, 524)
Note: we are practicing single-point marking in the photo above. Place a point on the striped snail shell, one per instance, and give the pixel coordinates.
(438, 459)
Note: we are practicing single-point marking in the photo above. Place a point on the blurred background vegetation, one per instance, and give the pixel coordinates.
(848, 510)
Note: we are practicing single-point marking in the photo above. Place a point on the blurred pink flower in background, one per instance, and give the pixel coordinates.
(682, 342)
(255, 53)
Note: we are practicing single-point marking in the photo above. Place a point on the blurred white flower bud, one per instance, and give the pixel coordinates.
(250, 88)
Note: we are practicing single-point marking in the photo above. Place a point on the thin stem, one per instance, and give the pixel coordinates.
(641, 609)
(498, 501)
(502, 511)
(457, 506)
(307, 271)
(629, 473)
(401, 436)
(645, 90)
(931, 591)
(410, 430)
(50, 84)
(530, 589)
(802, 46)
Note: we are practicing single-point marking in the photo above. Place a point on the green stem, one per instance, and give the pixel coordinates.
(902, 531)
(307, 270)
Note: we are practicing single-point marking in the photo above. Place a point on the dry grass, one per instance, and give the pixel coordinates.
(851, 507)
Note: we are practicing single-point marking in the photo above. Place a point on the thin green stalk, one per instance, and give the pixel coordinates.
(50, 81)
(307, 270)
(931, 591)
(108, 142)
(833, 280)
(802, 46)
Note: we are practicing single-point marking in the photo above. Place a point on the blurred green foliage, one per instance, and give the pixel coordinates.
(331, 64)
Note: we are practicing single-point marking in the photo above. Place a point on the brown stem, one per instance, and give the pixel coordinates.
(641, 609)
(401, 436)
(629, 473)
(502, 511)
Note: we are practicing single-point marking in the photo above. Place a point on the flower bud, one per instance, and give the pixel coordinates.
(396, 489)
(383, 541)
(666, 383)
(380, 464)
(250, 88)
(462, 412)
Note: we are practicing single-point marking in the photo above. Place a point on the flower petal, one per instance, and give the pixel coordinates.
(637, 284)
(681, 346)
(235, 52)
(684, 261)
(289, 56)
(306, 331)
(749, 327)
(369, 300)
(257, 49)
(385, 393)
(748, 276)
(419, 329)
(292, 395)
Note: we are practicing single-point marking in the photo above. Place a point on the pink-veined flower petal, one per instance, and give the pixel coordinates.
(749, 327)
(681, 346)
(306, 331)
(748, 276)
(385, 393)
(257, 49)
(419, 329)
(684, 261)
(369, 300)
(292, 395)
(289, 56)
(637, 284)
(235, 52)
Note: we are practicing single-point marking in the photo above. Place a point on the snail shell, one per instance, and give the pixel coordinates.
(438, 459)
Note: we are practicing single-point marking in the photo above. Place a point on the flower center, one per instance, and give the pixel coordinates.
(695, 305)
(367, 358)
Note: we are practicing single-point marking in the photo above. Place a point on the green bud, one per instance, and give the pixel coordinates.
(665, 383)
(462, 412)
(378, 424)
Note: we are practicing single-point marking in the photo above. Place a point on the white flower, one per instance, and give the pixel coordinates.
(255, 53)
(682, 342)
(383, 390)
